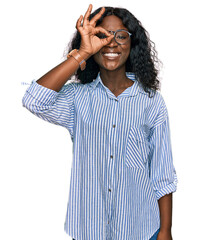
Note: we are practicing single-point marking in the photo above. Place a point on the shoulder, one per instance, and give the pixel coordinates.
(158, 99)
(76, 89)
(72, 85)
(159, 108)
(155, 107)
(152, 97)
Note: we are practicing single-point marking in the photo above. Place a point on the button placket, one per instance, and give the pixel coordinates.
(111, 179)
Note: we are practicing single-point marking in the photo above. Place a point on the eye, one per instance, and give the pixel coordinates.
(121, 37)
(101, 35)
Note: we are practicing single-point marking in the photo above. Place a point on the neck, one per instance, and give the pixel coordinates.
(114, 79)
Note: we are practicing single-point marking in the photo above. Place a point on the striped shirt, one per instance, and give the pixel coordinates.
(122, 157)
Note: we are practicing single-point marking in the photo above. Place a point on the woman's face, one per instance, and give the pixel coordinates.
(113, 62)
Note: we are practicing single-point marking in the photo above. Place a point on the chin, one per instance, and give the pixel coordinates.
(111, 66)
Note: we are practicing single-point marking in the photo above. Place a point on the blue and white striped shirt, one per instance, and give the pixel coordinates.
(122, 157)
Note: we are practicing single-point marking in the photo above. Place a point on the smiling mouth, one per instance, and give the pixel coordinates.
(111, 55)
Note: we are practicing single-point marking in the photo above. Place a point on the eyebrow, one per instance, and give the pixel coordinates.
(116, 30)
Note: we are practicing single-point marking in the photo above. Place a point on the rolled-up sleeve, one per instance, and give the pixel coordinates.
(49, 105)
(162, 171)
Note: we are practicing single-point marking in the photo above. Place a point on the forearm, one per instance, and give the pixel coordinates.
(165, 206)
(58, 76)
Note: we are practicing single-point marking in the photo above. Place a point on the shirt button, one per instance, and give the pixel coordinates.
(111, 156)
(114, 126)
(108, 222)
(109, 190)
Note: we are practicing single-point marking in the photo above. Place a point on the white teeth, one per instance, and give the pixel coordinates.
(111, 54)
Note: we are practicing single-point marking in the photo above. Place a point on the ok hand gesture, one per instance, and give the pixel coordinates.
(90, 43)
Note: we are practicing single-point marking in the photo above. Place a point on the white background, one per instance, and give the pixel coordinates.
(36, 156)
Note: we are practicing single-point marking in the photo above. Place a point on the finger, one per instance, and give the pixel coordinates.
(107, 40)
(78, 24)
(101, 30)
(87, 14)
(97, 17)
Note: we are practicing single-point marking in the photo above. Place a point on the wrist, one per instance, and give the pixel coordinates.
(84, 54)
(164, 235)
(75, 54)
(165, 229)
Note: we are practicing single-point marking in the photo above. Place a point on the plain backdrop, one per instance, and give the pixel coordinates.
(36, 156)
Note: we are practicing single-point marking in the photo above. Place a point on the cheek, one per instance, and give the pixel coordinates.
(97, 58)
(125, 56)
(127, 50)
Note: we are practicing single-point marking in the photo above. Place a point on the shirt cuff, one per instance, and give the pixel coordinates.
(42, 94)
(172, 187)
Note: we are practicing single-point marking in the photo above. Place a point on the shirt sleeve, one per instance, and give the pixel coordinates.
(162, 171)
(49, 105)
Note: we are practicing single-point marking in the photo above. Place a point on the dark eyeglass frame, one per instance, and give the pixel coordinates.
(120, 30)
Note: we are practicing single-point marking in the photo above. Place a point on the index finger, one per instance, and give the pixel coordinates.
(87, 14)
(97, 17)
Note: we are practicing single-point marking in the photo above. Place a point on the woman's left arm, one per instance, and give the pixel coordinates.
(161, 169)
(165, 206)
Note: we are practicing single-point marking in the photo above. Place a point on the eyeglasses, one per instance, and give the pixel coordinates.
(121, 36)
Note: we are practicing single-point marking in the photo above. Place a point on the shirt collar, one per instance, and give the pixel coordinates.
(131, 91)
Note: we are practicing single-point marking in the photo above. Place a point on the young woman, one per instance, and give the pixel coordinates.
(122, 175)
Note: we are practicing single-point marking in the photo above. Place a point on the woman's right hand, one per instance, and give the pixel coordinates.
(90, 43)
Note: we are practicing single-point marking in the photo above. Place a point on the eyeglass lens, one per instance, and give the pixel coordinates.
(121, 37)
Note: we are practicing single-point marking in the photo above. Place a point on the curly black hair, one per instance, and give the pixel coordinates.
(142, 60)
